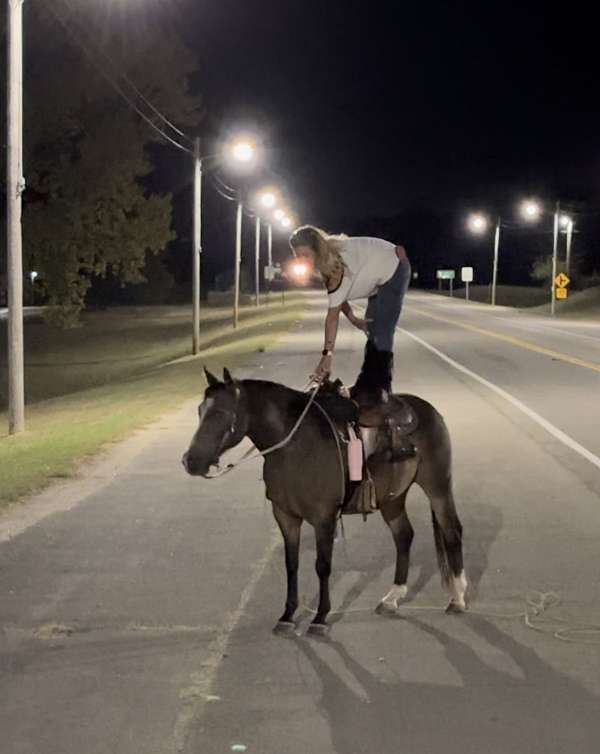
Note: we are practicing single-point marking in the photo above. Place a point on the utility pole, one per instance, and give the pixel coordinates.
(495, 267)
(269, 258)
(257, 261)
(569, 242)
(238, 262)
(15, 185)
(554, 260)
(197, 247)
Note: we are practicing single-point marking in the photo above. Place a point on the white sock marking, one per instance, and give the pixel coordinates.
(395, 596)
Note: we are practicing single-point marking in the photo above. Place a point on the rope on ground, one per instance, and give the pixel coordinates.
(537, 604)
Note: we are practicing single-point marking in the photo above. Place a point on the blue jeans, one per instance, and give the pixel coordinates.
(385, 306)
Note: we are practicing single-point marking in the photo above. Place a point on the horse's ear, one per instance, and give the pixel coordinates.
(210, 378)
(227, 378)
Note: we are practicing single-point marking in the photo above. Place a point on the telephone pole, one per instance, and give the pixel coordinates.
(15, 185)
(197, 246)
(257, 261)
(238, 262)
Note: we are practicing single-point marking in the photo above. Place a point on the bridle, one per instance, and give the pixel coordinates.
(232, 413)
(253, 452)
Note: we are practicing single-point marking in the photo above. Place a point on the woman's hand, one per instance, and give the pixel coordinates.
(323, 369)
(361, 324)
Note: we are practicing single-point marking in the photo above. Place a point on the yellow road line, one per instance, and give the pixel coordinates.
(514, 341)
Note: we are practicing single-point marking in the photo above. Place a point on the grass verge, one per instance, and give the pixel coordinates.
(63, 431)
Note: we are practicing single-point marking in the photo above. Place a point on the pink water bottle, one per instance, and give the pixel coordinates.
(355, 456)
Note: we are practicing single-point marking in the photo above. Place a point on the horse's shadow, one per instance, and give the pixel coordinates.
(486, 521)
(542, 712)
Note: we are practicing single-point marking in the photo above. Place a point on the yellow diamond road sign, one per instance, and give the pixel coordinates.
(562, 280)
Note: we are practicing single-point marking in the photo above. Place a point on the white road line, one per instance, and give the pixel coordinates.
(533, 415)
(543, 326)
(199, 689)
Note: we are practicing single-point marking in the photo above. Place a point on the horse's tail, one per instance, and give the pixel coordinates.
(441, 551)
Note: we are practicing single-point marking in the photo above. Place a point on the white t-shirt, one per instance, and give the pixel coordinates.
(368, 264)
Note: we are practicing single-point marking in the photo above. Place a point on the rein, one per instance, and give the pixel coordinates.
(254, 452)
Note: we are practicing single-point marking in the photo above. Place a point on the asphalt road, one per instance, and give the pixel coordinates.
(137, 604)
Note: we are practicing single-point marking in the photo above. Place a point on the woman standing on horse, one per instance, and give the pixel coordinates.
(355, 268)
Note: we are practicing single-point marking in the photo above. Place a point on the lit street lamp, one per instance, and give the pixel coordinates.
(566, 223)
(478, 223)
(569, 242)
(242, 150)
(268, 199)
(531, 210)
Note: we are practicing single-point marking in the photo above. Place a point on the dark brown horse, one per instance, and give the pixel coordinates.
(303, 480)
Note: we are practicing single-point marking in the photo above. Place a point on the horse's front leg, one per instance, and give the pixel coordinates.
(290, 529)
(324, 535)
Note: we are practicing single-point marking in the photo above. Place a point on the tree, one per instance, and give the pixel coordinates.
(88, 208)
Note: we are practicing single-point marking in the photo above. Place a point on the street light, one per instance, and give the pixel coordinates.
(531, 210)
(242, 150)
(286, 221)
(267, 199)
(279, 214)
(569, 233)
(478, 223)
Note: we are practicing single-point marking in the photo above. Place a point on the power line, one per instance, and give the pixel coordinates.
(219, 191)
(126, 78)
(224, 185)
(76, 39)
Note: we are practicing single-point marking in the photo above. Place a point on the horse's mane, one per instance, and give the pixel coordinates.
(337, 407)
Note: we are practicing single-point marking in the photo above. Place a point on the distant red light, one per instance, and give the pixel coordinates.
(299, 271)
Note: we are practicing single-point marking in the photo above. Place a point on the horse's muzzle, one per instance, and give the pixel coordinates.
(197, 467)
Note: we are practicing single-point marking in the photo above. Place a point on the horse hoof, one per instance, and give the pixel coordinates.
(285, 628)
(386, 608)
(456, 607)
(318, 629)
(391, 602)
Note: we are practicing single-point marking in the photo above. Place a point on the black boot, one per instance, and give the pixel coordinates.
(375, 378)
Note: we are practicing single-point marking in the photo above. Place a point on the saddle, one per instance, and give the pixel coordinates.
(389, 422)
(394, 421)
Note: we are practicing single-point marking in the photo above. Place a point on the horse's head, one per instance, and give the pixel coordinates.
(222, 423)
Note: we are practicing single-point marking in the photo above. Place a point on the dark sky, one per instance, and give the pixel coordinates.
(373, 107)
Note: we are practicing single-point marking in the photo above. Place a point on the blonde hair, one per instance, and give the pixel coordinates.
(325, 246)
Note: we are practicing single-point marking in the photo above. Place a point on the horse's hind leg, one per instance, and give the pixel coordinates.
(324, 534)
(395, 516)
(447, 532)
(290, 529)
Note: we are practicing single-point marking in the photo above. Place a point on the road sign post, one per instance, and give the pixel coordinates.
(560, 283)
(445, 275)
(466, 275)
